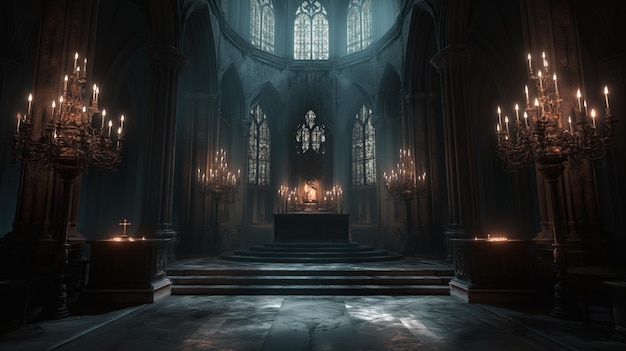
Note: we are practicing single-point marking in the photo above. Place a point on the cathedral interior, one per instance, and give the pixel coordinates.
(145, 140)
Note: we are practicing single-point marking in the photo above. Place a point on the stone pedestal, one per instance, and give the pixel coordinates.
(296, 227)
(128, 271)
(490, 271)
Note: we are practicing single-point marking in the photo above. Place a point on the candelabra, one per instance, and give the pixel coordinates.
(539, 137)
(68, 142)
(403, 183)
(219, 183)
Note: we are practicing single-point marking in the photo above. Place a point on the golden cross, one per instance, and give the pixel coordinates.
(125, 223)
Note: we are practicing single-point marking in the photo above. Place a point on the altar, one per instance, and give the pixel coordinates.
(311, 226)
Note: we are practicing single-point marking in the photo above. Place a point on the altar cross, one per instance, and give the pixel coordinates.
(124, 223)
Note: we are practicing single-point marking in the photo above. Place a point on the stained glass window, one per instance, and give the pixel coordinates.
(363, 149)
(259, 144)
(310, 38)
(359, 25)
(310, 135)
(262, 24)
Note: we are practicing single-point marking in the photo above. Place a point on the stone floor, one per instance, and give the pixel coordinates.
(311, 323)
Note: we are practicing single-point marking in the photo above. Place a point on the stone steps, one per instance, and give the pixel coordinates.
(312, 252)
(311, 268)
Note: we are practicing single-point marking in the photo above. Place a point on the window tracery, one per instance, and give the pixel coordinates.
(309, 135)
(359, 25)
(363, 148)
(259, 148)
(310, 39)
(262, 24)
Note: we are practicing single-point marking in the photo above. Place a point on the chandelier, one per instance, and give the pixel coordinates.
(219, 181)
(76, 134)
(540, 131)
(72, 138)
(403, 181)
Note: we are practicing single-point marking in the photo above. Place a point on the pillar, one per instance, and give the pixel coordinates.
(167, 61)
(463, 212)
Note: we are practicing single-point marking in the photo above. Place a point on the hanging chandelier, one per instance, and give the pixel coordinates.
(76, 134)
(540, 132)
(403, 181)
(219, 181)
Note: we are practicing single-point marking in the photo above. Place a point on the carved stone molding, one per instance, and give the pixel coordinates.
(169, 56)
(451, 57)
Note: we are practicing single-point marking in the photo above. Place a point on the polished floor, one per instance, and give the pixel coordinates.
(188, 322)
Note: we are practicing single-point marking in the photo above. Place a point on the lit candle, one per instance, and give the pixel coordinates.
(606, 96)
(93, 93)
(569, 120)
(104, 114)
(506, 122)
(526, 92)
(556, 87)
(110, 126)
(517, 112)
(54, 105)
(85, 66)
(545, 62)
(65, 85)
(30, 103)
(75, 59)
(593, 117)
(537, 108)
(526, 118)
(578, 96)
(586, 110)
(539, 76)
(19, 119)
(499, 116)
(122, 122)
(530, 65)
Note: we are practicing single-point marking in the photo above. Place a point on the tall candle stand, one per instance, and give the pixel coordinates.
(538, 137)
(73, 137)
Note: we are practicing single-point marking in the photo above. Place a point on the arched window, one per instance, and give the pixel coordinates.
(259, 147)
(363, 149)
(359, 24)
(310, 38)
(262, 24)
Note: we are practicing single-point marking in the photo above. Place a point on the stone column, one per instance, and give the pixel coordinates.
(463, 212)
(167, 61)
(427, 208)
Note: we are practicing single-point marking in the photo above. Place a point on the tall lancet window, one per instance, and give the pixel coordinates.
(359, 25)
(262, 24)
(363, 149)
(310, 38)
(259, 147)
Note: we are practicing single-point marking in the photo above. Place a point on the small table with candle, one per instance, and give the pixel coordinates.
(128, 270)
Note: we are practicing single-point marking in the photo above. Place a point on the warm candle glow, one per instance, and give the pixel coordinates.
(606, 96)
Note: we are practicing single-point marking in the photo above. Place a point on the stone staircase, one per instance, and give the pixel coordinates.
(311, 269)
(312, 252)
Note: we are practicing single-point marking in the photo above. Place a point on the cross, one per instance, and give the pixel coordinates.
(125, 223)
